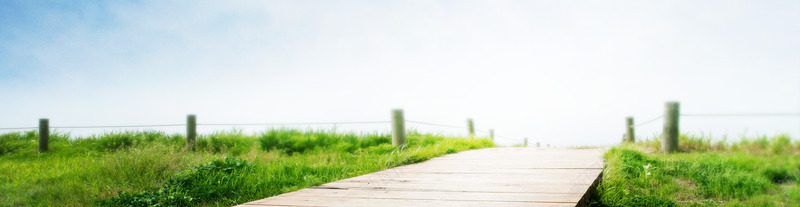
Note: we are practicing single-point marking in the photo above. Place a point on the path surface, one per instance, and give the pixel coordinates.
(483, 177)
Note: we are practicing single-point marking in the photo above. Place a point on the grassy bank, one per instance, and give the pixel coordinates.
(152, 168)
(758, 171)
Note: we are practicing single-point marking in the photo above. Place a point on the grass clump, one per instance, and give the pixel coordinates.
(227, 168)
(211, 181)
(13, 142)
(78, 177)
(124, 140)
(751, 172)
(233, 142)
(295, 141)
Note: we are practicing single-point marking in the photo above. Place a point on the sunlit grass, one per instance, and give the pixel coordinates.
(149, 168)
(760, 171)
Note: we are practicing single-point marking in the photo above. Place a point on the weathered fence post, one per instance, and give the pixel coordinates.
(191, 131)
(630, 136)
(398, 128)
(526, 142)
(669, 142)
(471, 128)
(491, 134)
(44, 135)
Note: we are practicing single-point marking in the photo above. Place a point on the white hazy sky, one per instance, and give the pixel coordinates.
(558, 72)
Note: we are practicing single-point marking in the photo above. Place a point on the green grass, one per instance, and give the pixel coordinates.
(757, 171)
(149, 168)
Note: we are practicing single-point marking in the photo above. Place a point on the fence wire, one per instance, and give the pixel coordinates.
(458, 127)
(116, 126)
(253, 124)
(98, 127)
(743, 114)
(174, 125)
(441, 125)
(651, 120)
(723, 115)
(18, 128)
(312, 123)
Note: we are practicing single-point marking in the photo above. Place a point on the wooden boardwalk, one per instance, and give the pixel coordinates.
(484, 177)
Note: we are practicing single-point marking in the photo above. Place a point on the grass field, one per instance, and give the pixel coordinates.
(757, 171)
(149, 168)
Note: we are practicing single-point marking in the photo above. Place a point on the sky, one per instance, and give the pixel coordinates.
(564, 73)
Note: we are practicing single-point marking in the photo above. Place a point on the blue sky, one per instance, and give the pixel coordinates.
(564, 73)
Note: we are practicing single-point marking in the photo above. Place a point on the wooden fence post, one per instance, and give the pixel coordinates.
(398, 128)
(669, 142)
(44, 135)
(191, 131)
(471, 128)
(630, 136)
(491, 134)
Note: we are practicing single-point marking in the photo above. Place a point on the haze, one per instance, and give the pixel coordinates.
(564, 73)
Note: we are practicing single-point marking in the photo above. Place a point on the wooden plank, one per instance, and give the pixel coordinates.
(489, 168)
(437, 195)
(456, 180)
(483, 187)
(371, 202)
(505, 171)
(486, 166)
(530, 171)
(272, 205)
(439, 177)
(485, 177)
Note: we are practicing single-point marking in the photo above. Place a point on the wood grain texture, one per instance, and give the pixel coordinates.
(669, 142)
(484, 177)
(398, 128)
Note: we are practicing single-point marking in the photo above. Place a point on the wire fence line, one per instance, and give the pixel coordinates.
(117, 126)
(672, 115)
(312, 123)
(441, 125)
(726, 115)
(743, 114)
(249, 124)
(212, 124)
(98, 127)
(458, 127)
(18, 128)
(649, 121)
